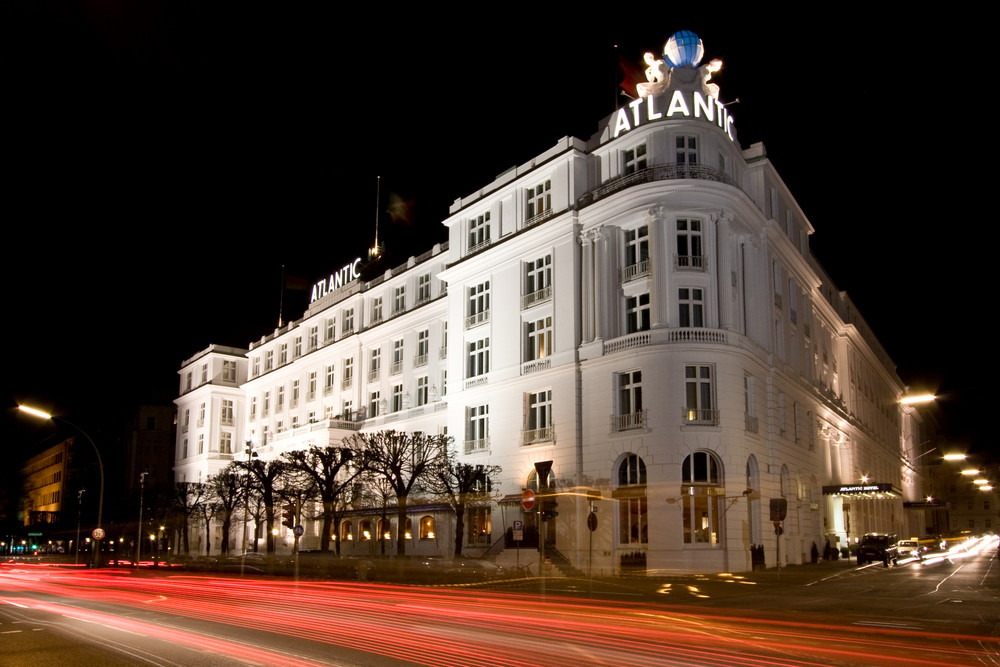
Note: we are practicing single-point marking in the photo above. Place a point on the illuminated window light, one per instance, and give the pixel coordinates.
(918, 398)
(971, 471)
(980, 482)
(954, 457)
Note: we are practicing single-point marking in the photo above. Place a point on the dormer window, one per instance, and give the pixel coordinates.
(479, 232)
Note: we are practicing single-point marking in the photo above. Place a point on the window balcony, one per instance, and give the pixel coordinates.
(535, 365)
(443, 352)
(347, 382)
(328, 389)
(477, 318)
(537, 435)
(477, 381)
(200, 423)
(473, 446)
(634, 271)
(420, 360)
(690, 263)
(373, 375)
(311, 396)
(422, 299)
(704, 417)
(539, 296)
(396, 367)
(665, 172)
(184, 428)
(535, 219)
(629, 422)
(479, 246)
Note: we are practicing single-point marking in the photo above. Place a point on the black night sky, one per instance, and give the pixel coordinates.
(162, 160)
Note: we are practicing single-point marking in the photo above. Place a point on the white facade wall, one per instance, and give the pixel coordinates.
(612, 315)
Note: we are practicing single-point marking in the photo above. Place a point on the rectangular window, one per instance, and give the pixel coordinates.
(477, 438)
(479, 358)
(397, 397)
(201, 415)
(226, 413)
(691, 307)
(330, 377)
(268, 360)
(280, 403)
(295, 393)
(331, 329)
(399, 299)
(267, 403)
(687, 150)
(313, 338)
(348, 373)
(256, 366)
(283, 354)
(376, 310)
(253, 408)
(348, 320)
(479, 304)
(630, 411)
(225, 443)
(538, 417)
(298, 347)
(539, 343)
(423, 288)
(423, 347)
(690, 255)
(749, 409)
(184, 449)
(229, 371)
(539, 199)
(422, 394)
(634, 159)
(479, 232)
(537, 281)
(698, 392)
(637, 313)
(201, 443)
(374, 364)
(312, 386)
(204, 373)
(397, 357)
(637, 251)
(373, 404)
(187, 384)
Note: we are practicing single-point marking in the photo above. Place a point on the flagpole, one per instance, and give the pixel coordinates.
(281, 296)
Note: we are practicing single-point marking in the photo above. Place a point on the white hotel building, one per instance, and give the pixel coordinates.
(642, 310)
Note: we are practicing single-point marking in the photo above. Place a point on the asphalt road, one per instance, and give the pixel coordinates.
(936, 612)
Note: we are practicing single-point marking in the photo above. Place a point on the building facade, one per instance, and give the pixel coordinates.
(633, 326)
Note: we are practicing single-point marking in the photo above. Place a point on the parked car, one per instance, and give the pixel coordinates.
(877, 547)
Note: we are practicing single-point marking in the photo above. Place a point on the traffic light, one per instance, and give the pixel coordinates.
(288, 515)
(548, 508)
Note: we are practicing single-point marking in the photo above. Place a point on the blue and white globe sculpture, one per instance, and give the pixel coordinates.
(684, 49)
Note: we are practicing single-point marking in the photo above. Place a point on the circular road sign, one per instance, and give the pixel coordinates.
(592, 522)
(298, 530)
(528, 499)
(98, 533)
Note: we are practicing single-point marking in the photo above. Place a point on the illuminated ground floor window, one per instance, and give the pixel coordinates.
(702, 492)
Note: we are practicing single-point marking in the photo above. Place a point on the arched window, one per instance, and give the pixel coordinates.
(346, 531)
(533, 481)
(408, 531)
(427, 528)
(365, 530)
(384, 529)
(702, 490)
(631, 496)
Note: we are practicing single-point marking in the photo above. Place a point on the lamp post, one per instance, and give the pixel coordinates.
(100, 463)
(79, 511)
(138, 537)
(251, 455)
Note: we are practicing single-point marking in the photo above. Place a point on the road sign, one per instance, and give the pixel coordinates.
(528, 500)
(518, 530)
(98, 533)
(592, 522)
(298, 530)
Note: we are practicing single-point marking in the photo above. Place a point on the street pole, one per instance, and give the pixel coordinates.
(79, 511)
(138, 540)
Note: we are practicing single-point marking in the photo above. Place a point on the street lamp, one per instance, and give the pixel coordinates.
(138, 536)
(100, 463)
(251, 455)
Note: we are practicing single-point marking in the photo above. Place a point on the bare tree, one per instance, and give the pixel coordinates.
(186, 502)
(460, 484)
(332, 470)
(266, 477)
(226, 489)
(404, 460)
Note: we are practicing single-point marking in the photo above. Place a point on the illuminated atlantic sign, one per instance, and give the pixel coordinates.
(336, 280)
(678, 104)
